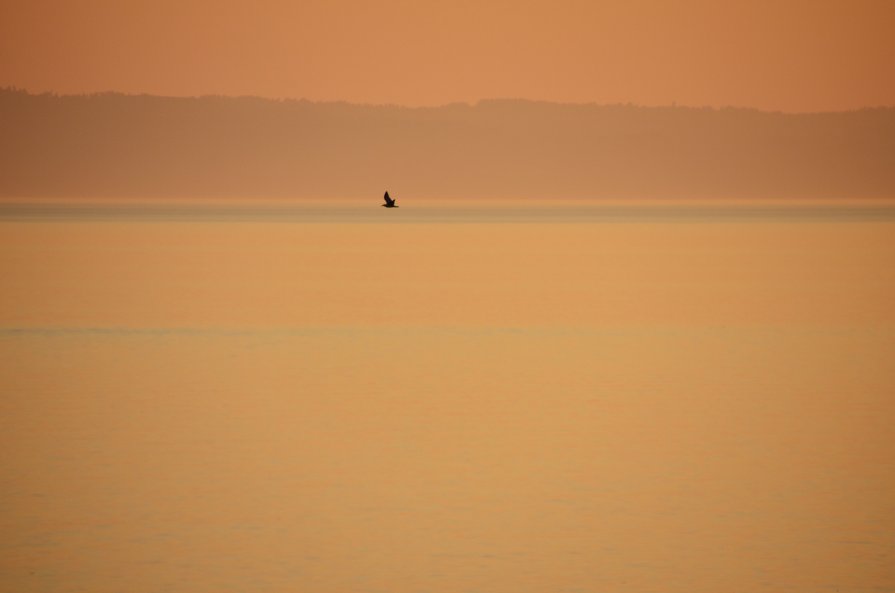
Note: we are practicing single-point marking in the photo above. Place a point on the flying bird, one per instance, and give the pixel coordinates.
(389, 202)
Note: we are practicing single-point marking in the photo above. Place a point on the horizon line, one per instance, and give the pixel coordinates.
(469, 104)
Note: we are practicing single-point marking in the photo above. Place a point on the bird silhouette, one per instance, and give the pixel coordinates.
(389, 202)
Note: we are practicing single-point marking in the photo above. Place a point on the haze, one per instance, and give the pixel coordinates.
(119, 146)
(790, 55)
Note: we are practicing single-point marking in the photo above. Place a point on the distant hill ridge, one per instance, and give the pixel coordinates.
(145, 146)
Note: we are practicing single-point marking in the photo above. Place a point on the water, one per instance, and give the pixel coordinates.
(659, 401)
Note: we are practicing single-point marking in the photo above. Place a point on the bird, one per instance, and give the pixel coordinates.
(389, 202)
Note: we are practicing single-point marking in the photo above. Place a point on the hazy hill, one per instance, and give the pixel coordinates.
(119, 145)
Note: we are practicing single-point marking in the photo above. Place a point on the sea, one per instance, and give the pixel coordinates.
(454, 397)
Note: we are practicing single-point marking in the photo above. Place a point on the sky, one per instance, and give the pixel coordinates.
(787, 55)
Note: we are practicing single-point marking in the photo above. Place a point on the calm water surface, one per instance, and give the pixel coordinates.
(634, 401)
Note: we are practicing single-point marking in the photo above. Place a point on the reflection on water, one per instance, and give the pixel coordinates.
(219, 405)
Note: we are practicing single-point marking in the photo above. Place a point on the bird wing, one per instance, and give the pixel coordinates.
(388, 200)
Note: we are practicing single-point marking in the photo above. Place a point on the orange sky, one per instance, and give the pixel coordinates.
(792, 55)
